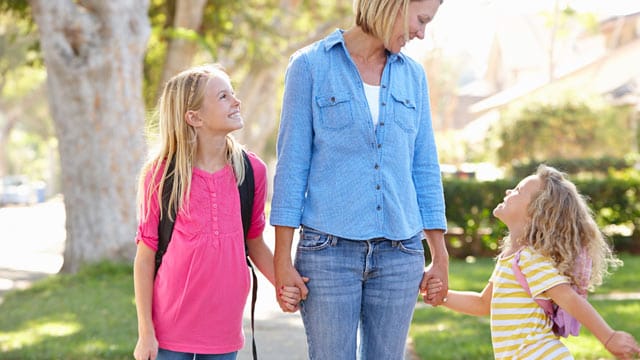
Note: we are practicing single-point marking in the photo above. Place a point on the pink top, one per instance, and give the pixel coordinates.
(202, 285)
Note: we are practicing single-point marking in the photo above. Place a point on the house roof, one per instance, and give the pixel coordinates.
(617, 69)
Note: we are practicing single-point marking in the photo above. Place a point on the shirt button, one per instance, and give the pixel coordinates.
(381, 123)
(384, 103)
(376, 166)
(379, 208)
(333, 99)
(379, 146)
(384, 86)
(377, 187)
(215, 232)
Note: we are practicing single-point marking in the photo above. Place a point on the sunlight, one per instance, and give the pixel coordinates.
(18, 339)
(94, 346)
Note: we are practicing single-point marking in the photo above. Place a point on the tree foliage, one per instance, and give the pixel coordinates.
(570, 129)
(241, 35)
(21, 91)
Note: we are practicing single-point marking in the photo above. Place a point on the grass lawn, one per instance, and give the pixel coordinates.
(91, 315)
(440, 333)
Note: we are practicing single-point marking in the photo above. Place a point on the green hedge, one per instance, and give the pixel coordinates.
(574, 166)
(473, 230)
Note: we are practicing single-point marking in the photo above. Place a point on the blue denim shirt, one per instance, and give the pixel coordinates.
(338, 174)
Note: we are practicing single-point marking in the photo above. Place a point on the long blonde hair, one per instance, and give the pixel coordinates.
(562, 227)
(182, 93)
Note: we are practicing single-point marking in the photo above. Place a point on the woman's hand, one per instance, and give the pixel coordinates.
(438, 269)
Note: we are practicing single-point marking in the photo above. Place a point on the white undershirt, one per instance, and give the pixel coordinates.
(372, 92)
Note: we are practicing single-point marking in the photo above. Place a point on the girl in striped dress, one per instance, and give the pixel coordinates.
(552, 229)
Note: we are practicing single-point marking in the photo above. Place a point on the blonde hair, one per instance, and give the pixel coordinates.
(377, 17)
(562, 227)
(182, 93)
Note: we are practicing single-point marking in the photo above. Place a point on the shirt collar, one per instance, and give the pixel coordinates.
(337, 37)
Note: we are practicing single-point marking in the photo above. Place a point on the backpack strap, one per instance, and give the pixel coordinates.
(546, 305)
(165, 225)
(247, 192)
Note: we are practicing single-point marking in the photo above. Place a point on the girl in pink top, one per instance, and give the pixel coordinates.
(193, 306)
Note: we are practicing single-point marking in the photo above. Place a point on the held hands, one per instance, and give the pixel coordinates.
(435, 285)
(289, 297)
(290, 286)
(433, 288)
(622, 345)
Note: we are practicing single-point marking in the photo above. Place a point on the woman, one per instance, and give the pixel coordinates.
(358, 171)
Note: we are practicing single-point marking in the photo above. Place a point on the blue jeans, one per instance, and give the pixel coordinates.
(361, 294)
(164, 354)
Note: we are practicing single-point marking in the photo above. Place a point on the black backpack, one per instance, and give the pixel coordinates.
(165, 226)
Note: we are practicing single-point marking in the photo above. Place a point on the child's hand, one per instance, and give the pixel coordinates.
(622, 345)
(434, 285)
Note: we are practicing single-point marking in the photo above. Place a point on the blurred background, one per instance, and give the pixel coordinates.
(513, 83)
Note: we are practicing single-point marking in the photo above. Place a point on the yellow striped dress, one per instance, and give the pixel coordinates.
(519, 327)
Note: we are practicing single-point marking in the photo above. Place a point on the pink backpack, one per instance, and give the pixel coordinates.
(563, 323)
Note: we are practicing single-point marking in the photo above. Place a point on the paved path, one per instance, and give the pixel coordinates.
(279, 335)
(32, 242)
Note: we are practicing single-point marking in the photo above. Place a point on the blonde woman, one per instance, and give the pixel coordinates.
(192, 308)
(554, 233)
(358, 171)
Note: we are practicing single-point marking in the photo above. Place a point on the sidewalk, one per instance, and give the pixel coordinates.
(278, 335)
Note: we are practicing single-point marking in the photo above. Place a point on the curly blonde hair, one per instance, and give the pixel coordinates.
(562, 227)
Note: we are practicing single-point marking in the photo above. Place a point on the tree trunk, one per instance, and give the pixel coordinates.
(93, 51)
(180, 52)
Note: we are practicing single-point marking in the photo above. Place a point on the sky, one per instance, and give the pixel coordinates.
(468, 26)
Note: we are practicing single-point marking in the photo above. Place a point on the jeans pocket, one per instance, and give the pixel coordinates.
(412, 246)
(312, 240)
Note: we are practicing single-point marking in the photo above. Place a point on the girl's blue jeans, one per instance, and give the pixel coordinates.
(164, 354)
(361, 294)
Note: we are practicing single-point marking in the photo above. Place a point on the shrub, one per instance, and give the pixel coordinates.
(473, 230)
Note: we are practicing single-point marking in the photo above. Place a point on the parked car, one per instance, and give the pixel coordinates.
(17, 189)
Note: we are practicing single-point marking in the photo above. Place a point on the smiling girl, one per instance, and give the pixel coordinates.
(553, 232)
(193, 307)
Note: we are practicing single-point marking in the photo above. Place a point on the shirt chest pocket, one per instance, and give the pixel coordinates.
(405, 112)
(335, 110)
